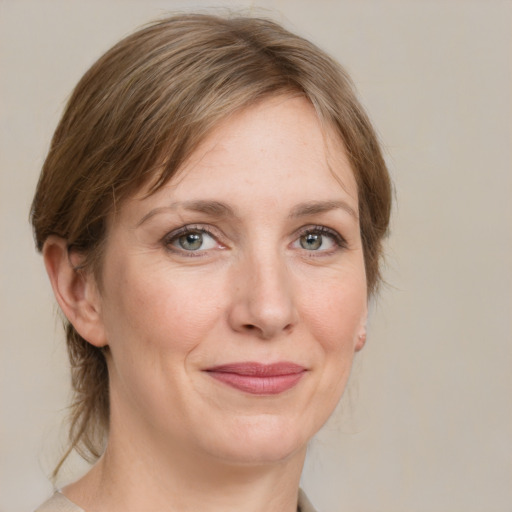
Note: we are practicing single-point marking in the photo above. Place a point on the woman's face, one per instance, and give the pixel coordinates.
(234, 298)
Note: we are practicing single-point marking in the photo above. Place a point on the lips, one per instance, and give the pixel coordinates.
(257, 378)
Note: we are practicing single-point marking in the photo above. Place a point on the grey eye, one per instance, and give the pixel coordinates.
(311, 241)
(318, 240)
(191, 241)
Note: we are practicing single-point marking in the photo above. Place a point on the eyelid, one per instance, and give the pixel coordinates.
(190, 228)
(338, 239)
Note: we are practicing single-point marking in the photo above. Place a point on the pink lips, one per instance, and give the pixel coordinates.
(257, 378)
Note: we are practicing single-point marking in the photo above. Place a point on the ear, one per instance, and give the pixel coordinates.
(361, 337)
(75, 289)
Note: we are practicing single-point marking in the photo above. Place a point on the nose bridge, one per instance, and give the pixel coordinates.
(265, 299)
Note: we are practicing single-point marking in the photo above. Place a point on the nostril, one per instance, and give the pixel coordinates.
(288, 328)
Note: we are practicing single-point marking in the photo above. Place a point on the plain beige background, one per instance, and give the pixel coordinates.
(427, 423)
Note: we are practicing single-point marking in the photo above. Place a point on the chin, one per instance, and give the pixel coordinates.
(260, 442)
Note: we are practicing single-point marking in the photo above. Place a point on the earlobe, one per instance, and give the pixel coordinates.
(361, 337)
(361, 340)
(75, 290)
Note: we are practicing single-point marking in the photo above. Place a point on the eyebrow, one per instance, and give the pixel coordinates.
(212, 208)
(219, 209)
(317, 207)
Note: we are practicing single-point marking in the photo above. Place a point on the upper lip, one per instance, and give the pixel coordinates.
(255, 369)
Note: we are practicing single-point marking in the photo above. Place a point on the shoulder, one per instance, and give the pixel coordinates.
(59, 503)
(304, 504)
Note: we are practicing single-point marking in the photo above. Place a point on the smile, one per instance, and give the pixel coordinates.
(257, 378)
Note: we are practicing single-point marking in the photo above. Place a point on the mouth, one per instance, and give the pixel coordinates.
(257, 378)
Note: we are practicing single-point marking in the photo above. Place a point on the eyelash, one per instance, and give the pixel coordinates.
(338, 240)
(186, 230)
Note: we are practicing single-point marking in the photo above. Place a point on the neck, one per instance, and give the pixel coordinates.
(136, 476)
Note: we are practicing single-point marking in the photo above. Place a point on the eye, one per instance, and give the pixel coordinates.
(191, 240)
(319, 239)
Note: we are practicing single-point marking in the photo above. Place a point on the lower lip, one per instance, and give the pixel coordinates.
(258, 385)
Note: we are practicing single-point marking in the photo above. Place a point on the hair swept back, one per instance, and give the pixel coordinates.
(140, 111)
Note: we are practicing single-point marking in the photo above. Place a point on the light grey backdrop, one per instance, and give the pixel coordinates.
(427, 423)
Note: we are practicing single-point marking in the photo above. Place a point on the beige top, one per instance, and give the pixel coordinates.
(59, 503)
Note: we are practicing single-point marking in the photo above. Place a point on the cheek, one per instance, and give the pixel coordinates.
(159, 309)
(334, 316)
(154, 321)
(336, 312)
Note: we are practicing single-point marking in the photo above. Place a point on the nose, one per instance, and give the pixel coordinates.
(263, 299)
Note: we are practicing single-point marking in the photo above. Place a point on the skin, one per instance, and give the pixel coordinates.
(275, 273)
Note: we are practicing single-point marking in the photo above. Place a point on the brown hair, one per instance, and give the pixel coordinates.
(140, 111)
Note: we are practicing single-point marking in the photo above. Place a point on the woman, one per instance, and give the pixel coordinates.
(210, 215)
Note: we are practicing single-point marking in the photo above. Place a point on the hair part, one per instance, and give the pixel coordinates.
(142, 109)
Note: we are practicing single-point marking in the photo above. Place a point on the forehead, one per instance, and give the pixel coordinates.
(274, 151)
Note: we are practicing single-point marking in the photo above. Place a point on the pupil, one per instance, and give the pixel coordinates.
(191, 241)
(311, 241)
